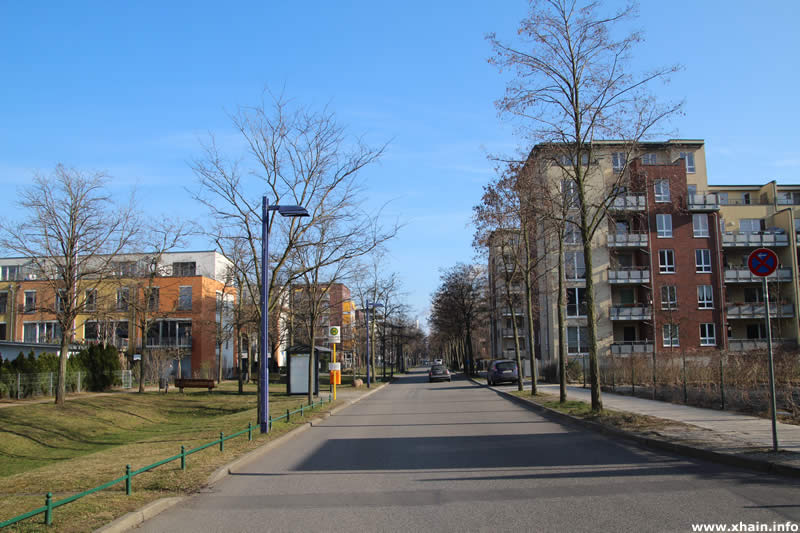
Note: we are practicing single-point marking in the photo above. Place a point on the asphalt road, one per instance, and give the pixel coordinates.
(457, 457)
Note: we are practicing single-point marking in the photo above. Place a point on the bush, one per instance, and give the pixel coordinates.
(550, 372)
(101, 364)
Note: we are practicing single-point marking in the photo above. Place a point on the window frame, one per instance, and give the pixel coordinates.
(618, 161)
(26, 306)
(698, 231)
(574, 265)
(579, 305)
(664, 266)
(709, 336)
(184, 305)
(662, 221)
(670, 335)
(580, 339)
(700, 265)
(661, 191)
(688, 158)
(705, 297)
(669, 303)
(649, 158)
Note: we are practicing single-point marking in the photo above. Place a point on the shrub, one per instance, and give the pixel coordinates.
(101, 364)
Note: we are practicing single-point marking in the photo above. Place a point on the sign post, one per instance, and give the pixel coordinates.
(762, 263)
(334, 336)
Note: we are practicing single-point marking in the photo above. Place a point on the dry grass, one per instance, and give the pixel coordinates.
(90, 440)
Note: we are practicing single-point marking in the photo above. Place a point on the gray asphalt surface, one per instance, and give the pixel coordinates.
(457, 457)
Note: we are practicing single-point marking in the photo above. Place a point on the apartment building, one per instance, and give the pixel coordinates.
(669, 264)
(188, 304)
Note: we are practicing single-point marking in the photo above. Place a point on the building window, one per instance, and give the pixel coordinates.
(689, 158)
(3, 302)
(90, 303)
(700, 225)
(185, 299)
(572, 234)
(3, 331)
(9, 273)
(753, 295)
(184, 269)
(669, 297)
(567, 160)
(152, 294)
(664, 225)
(750, 225)
(569, 190)
(708, 336)
(577, 340)
(702, 260)
(61, 299)
(649, 159)
(705, 297)
(576, 302)
(30, 301)
(669, 334)
(41, 332)
(124, 269)
(662, 191)
(666, 261)
(756, 331)
(722, 198)
(123, 297)
(164, 333)
(618, 160)
(746, 199)
(574, 266)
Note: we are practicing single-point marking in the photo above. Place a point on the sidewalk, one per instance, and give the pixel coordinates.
(725, 436)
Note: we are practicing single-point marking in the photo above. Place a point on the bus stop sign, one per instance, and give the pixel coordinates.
(762, 262)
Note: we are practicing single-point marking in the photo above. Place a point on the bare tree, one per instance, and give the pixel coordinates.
(458, 305)
(300, 157)
(572, 87)
(71, 233)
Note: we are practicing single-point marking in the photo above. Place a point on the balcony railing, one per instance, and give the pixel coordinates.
(745, 345)
(629, 347)
(629, 202)
(170, 342)
(509, 332)
(703, 202)
(628, 275)
(756, 310)
(740, 274)
(634, 239)
(631, 312)
(517, 311)
(736, 239)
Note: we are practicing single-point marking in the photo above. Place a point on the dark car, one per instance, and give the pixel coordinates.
(438, 373)
(502, 371)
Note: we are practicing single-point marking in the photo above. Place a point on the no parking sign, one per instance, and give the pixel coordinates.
(762, 262)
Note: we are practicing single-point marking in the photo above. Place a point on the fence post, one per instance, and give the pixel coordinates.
(51, 383)
(18, 386)
(183, 458)
(249, 431)
(127, 480)
(79, 381)
(269, 422)
(221, 441)
(288, 415)
(633, 376)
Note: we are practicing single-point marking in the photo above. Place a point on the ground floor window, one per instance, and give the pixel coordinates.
(577, 340)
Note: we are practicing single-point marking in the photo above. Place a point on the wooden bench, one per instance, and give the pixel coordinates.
(195, 383)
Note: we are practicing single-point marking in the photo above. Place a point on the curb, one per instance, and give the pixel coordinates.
(135, 518)
(650, 442)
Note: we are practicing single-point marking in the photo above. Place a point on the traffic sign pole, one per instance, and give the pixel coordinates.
(762, 263)
(773, 403)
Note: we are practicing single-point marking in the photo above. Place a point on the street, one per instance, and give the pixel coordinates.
(455, 456)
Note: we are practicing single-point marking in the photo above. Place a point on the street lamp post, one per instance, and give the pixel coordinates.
(370, 305)
(263, 363)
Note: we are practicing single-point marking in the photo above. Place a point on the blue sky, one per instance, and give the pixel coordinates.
(132, 89)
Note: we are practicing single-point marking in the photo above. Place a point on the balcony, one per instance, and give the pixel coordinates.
(756, 310)
(699, 203)
(184, 341)
(739, 274)
(628, 275)
(517, 311)
(628, 203)
(736, 239)
(631, 312)
(631, 347)
(746, 345)
(637, 239)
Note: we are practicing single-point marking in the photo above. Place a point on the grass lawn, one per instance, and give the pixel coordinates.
(90, 440)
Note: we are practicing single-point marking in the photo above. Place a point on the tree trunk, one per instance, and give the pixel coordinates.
(529, 311)
(219, 363)
(141, 358)
(591, 313)
(562, 345)
(311, 369)
(61, 389)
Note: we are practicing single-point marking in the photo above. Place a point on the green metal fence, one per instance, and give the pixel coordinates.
(49, 504)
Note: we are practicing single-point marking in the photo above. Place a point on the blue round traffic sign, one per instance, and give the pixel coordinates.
(762, 262)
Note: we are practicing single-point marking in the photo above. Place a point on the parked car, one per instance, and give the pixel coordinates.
(502, 371)
(438, 373)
